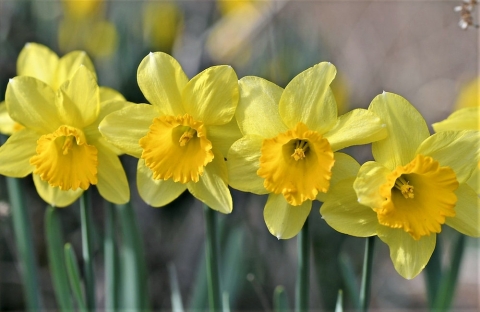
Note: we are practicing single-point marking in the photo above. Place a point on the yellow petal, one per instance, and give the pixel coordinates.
(124, 128)
(257, 112)
(156, 193)
(345, 167)
(342, 211)
(68, 65)
(64, 159)
(162, 80)
(222, 137)
(16, 153)
(418, 197)
(243, 162)
(212, 188)
(463, 119)
(38, 61)
(446, 146)
(7, 124)
(32, 103)
(212, 95)
(106, 108)
(405, 126)
(283, 220)
(409, 256)
(176, 148)
(108, 94)
(80, 102)
(112, 180)
(371, 177)
(474, 181)
(355, 128)
(468, 96)
(54, 195)
(309, 99)
(297, 164)
(467, 217)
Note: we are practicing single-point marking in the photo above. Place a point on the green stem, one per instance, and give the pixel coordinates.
(24, 241)
(367, 273)
(133, 271)
(214, 296)
(433, 273)
(302, 288)
(110, 259)
(446, 290)
(56, 258)
(74, 276)
(87, 250)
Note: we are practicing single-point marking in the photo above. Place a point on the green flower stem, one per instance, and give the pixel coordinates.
(367, 273)
(132, 264)
(302, 288)
(433, 273)
(446, 290)
(87, 250)
(56, 258)
(111, 261)
(24, 241)
(214, 295)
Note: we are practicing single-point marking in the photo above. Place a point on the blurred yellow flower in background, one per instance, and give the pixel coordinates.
(162, 22)
(416, 184)
(182, 138)
(60, 142)
(84, 27)
(289, 141)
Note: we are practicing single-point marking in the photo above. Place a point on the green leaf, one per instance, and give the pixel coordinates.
(280, 300)
(176, 296)
(339, 305)
(74, 276)
(57, 260)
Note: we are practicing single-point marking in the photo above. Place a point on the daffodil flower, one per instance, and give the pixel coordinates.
(38, 61)
(467, 118)
(416, 184)
(60, 142)
(182, 138)
(289, 144)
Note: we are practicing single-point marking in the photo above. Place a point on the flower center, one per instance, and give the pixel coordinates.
(422, 212)
(402, 185)
(176, 147)
(300, 149)
(64, 159)
(297, 164)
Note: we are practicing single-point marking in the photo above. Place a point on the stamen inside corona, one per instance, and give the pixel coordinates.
(177, 148)
(422, 212)
(297, 164)
(64, 159)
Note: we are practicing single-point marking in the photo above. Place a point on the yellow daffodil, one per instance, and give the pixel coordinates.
(85, 27)
(60, 142)
(466, 118)
(182, 138)
(289, 144)
(416, 184)
(38, 61)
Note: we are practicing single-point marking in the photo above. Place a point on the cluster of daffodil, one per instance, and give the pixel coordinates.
(214, 131)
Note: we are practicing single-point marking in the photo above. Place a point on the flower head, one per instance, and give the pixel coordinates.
(466, 117)
(60, 142)
(289, 144)
(38, 61)
(182, 138)
(416, 184)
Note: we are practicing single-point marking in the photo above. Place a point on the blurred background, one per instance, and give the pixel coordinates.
(413, 48)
